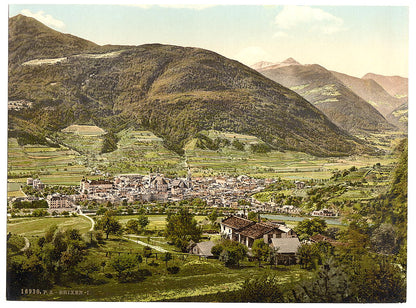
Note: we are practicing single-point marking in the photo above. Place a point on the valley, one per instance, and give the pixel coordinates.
(166, 173)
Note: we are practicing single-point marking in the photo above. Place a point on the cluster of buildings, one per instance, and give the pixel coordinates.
(216, 191)
(242, 230)
(220, 191)
(35, 183)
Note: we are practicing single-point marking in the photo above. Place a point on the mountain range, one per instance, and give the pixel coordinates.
(174, 91)
(395, 85)
(320, 87)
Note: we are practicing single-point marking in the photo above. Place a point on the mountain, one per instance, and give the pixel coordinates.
(269, 65)
(395, 85)
(399, 116)
(30, 39)
(173, 91)
(370, 91)
(261, 64)
(320, 87)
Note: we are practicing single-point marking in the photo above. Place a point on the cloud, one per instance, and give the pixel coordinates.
(280, 34)
(252, 54)
(44, 18)
(314, 19)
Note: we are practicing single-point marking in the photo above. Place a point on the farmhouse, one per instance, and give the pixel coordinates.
(247, 231)
(231, 227)
(202, 249)
(287, 249)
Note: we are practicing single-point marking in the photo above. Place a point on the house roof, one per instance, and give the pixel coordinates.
(100, 182)
(179, 183)
(257, 230)
(159, 180)
(286, 245)
(237, 223)
(205, 248)
(321, 238)
(280, 226)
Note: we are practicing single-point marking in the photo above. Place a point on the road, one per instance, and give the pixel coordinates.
(88, 217)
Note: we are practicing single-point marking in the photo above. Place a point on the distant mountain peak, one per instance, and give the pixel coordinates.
(290, 61)
(395, 85)
(271, 65)
(261, 64)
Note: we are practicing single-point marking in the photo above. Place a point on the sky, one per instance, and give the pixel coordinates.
(351, 39)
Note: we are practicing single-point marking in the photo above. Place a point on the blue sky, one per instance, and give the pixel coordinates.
(350, 39)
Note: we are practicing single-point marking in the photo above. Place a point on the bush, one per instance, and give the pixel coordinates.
(173, 269)
(153, 263)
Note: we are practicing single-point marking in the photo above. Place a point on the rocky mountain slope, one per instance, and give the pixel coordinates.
(372, 92)
(395, 85)
(320, 87)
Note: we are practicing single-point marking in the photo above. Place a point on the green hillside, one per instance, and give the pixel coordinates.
(175, 92)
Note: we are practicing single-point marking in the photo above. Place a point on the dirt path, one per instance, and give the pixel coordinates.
(157, 248)
(27, 245)
(88, 217)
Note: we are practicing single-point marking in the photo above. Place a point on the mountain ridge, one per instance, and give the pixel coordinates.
(370, 91)
(173, 91)
(320, 87)
(396, 86)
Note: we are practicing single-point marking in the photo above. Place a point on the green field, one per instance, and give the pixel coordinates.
(196, 278)
(52, 165)
(287, 165)
(32, 226)
(139, 151)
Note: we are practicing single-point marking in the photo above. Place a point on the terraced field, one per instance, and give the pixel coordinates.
(140, 151)
(52, 165)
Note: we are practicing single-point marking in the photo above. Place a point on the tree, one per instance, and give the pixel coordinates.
(384, 239)
(147, 252)
(181, 228)
(109, 224)
(213, 216)
(132, 226)
(167, 257)
(143, 221)
(232, 253)
(308, 227)
(217, 249)
(252, 216)
(260, 250)
(330, 285)
(124, 265)
(378, 280)
(264, 289)
(309, 256)
(273, 257)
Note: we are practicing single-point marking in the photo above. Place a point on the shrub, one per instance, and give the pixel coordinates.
(173, 269)
(153, 263)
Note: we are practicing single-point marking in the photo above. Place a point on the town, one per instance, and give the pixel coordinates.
(231, 194)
